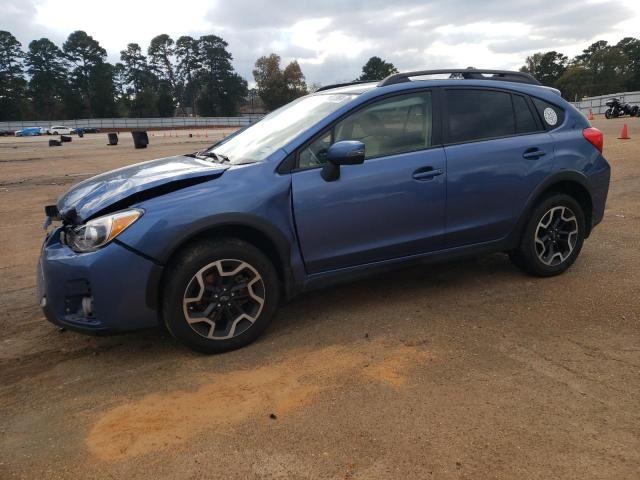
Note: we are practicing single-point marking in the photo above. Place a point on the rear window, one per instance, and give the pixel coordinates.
(552, 116)
(478, 114)
(525, 121)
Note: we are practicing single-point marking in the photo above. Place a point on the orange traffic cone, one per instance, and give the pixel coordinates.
(591, 117)
(624, 134)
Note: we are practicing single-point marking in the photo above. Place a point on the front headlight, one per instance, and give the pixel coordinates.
(98, 232)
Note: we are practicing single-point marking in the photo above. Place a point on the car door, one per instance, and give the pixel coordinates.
(390, 206)
(497, 153)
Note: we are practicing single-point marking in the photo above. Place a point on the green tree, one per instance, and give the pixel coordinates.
(188, 64)
(88, 73)
(221, 88)
(575, 83)
(547, 67)
(294, 81)
(141, 82)
(161, 54)
(12, 82)
(631, 48)
(47, 83)
(166, 101)
(270, 81)
(103, 91)
(376, 69)
(608, 66)
(275, 86)
(123, 102)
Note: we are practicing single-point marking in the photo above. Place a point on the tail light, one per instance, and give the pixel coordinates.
(594, 137)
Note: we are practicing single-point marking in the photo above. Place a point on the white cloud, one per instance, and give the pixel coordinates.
(332, 39)
(118, 22)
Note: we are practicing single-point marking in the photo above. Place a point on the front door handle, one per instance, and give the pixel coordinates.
(427, 173)
(533, 153)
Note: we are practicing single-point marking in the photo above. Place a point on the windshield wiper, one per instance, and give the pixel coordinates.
(215, 156)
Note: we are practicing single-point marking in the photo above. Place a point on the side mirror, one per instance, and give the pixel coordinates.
(347, 152)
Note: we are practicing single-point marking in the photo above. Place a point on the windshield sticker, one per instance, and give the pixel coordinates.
(550, 116)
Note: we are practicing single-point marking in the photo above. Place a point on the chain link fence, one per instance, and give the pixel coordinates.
(137, 123)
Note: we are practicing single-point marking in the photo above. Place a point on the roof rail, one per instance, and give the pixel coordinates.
(465, 73)
(346, 84)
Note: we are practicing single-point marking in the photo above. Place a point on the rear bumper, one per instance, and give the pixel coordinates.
(114, 279)
(599, 191)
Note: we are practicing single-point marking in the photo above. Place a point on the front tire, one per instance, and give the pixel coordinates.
(219, 295)
(552, 238)
(607, 113)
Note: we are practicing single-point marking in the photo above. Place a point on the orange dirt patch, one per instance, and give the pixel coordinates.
(158, 421)
(393, 369)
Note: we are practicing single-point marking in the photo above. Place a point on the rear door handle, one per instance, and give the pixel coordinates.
(533, 153)
(427, 173)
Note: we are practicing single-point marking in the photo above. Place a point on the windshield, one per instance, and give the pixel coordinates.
(276, 129)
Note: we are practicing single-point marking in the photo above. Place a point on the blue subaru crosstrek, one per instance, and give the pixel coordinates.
(350, 180)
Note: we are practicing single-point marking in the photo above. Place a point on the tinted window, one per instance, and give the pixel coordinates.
(525, 121)
(478, 114)
(394, 125)
(552, 116)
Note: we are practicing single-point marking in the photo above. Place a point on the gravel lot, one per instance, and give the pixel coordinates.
(467, 370)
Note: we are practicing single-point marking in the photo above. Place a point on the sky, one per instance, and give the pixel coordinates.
(333, 39)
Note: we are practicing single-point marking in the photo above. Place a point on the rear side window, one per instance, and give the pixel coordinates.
(478, 114)
(525, 121)
(552, 116)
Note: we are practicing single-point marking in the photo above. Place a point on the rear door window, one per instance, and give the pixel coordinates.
(478, 115)
(525, 120)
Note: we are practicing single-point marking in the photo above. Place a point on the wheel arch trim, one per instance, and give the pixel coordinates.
(565, 176)
(226, 225)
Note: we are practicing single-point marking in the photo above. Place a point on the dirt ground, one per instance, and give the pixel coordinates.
(468, 370)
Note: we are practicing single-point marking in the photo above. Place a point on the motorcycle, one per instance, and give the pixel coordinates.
(619, 109)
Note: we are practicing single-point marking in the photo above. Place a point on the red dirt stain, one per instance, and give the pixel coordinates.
(157, 421)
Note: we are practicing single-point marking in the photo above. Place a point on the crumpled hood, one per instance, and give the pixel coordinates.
(162, 175)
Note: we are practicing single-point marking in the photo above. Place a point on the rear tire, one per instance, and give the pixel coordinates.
(219, 295)
(552, 238)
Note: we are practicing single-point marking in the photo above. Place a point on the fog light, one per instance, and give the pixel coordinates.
(87, 306)
(43, 301)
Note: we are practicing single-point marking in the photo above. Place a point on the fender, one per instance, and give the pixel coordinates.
(555, 178)
(225, 221)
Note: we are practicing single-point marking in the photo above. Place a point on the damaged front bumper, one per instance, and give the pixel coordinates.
(104, 291)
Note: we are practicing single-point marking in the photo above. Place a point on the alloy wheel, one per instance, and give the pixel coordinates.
(224, 299)
(556, 235)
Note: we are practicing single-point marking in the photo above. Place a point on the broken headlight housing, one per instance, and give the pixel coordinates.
(100, 231)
